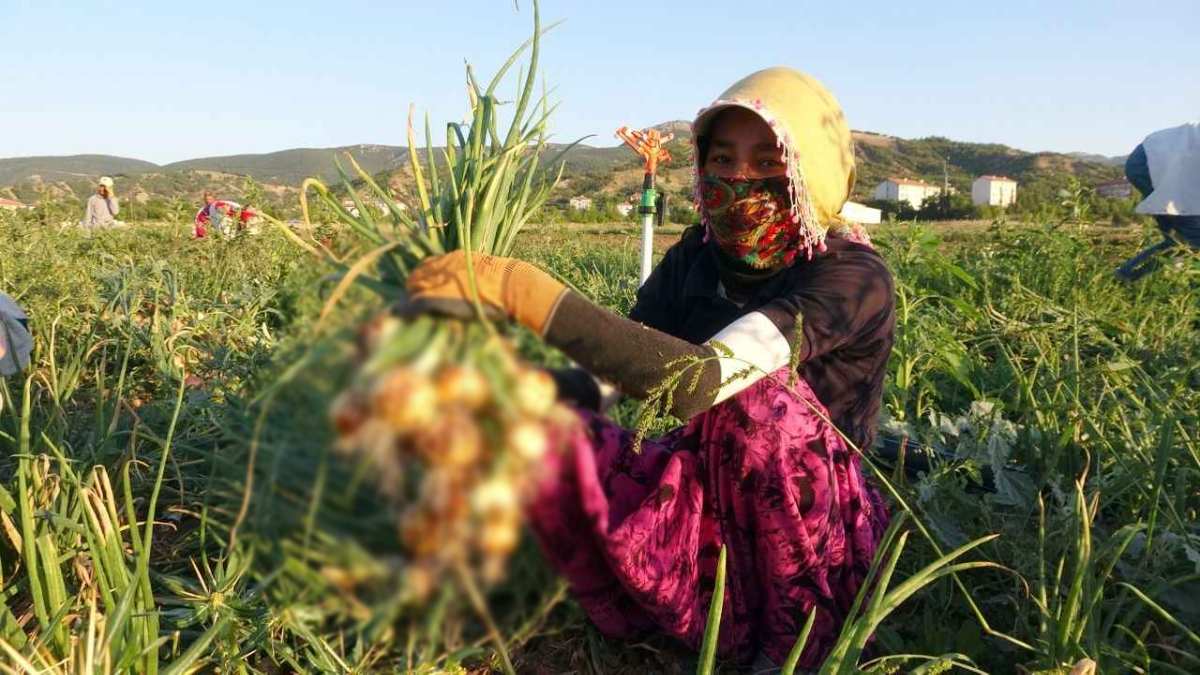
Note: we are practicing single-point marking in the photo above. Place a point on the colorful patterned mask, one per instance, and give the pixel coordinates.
(818, 149)
(751, 219)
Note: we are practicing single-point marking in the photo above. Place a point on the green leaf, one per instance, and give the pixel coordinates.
(712, 628)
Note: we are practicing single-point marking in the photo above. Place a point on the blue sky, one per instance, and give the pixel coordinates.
(166, 81)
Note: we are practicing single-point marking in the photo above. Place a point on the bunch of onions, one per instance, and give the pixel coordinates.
(454, 428)
(448, 418)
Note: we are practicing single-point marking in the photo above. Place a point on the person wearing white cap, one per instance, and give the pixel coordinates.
(1165, 168)
(102, 207)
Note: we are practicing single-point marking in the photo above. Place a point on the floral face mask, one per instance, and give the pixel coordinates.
(751, 219)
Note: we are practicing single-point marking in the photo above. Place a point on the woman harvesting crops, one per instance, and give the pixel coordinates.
(220, 215)
(766, 289)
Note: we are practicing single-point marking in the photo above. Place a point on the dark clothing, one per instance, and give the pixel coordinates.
(1137, 171)
(841, 301)
(843, 298)
(636, 529)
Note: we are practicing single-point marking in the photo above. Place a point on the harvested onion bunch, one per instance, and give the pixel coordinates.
(448, 419)
(453, 427)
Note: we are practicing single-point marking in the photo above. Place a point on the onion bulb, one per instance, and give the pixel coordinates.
(499, 538)
(454, 440)
(534, 392)
(461, 385)
(495, 499)
(405, 399)
(348, 412)
(527, 438)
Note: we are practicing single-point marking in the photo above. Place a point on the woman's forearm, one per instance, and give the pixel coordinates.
(634, 357)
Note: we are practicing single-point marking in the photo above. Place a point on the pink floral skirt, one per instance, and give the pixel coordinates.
(637, 534)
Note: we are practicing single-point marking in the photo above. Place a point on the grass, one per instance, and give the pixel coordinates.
(169, 501)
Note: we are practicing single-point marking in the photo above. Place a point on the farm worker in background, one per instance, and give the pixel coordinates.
(1165, 168)
(102, 207)
(208, 216)
(768, 463)
(220, 214)
(15, 340)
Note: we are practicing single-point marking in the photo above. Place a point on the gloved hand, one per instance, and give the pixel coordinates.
(517, 289)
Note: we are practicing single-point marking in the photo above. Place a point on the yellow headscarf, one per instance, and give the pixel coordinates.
(809, 124)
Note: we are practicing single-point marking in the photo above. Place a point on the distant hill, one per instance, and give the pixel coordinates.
(612, 171)
(156, 186)
(291, 167)
(17, 169)
(880, 156)
(1118, 160)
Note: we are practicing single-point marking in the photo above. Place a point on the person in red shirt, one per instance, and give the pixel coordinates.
(220, 215)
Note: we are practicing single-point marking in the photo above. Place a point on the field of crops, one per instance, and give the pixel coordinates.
(169, 499)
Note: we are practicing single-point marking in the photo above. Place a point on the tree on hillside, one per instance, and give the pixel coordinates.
(892, 210)
(953, 206)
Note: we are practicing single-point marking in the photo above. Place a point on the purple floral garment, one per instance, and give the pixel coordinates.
(637, 535)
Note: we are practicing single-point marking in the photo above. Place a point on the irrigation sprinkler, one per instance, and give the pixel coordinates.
(649, 145)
